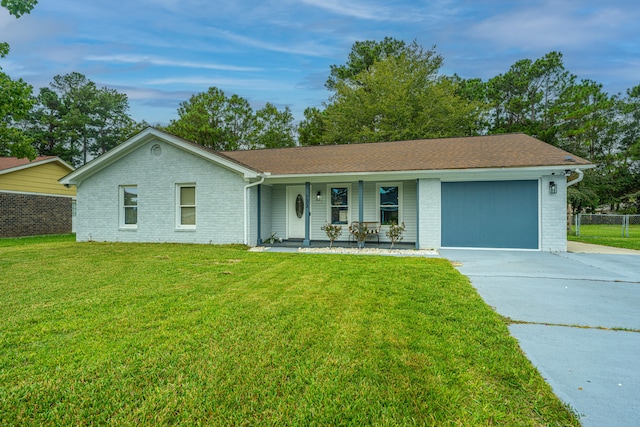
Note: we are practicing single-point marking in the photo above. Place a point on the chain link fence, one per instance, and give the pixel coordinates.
(606, 225)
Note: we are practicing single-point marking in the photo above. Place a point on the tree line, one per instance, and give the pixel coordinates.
(389, 90)
(386, 90)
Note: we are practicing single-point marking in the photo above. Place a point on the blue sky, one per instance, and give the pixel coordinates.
(160, 52)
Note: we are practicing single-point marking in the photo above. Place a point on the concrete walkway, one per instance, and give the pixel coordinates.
(568, 304)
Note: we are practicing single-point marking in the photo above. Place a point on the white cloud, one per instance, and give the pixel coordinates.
(310, 48)
(551, 26)
(428, 11)
(350, 8)
(258, 84)
(141, 93)
(164, 62)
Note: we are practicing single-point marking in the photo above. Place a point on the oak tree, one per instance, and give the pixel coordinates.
(399, 96)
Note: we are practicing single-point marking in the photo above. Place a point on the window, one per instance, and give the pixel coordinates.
(389, 197)
(339, 205)
(129, 206)
(186, 215)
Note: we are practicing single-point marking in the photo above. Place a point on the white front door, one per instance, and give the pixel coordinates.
(295, 211)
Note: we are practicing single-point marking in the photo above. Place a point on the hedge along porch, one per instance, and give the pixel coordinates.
(158, 187)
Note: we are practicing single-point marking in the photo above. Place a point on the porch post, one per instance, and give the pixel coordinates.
(307, 214)
(360, 201)
(259, 228)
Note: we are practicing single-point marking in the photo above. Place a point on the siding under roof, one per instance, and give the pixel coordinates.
(13, 162)
(493, 151)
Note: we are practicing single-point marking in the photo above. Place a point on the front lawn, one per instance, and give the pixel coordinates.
(608, 235)
(156, 334)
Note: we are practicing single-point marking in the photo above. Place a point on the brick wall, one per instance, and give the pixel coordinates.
(33, 215)
(553, 215)
(219, 199)
(430, 195)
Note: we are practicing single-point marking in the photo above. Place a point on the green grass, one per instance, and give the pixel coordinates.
(157, 334)
(30, 240)
(608, 235)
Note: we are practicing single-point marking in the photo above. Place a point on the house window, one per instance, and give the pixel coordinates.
(389, 203)
(339, 205)
(186, 215)
(128, 206)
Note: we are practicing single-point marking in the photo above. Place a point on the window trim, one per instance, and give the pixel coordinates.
(400, 193)
(349, 202)
(122, 207)
(179, 206)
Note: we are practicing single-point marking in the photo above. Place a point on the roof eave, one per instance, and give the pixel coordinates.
(426, 173)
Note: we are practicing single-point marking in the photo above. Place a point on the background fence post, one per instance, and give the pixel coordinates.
(626, 226)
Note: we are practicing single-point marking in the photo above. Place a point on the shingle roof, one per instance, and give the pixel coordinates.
(13, 162)
(493, 151)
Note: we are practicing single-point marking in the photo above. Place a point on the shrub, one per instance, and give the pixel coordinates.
(395, 233)
(333, 232)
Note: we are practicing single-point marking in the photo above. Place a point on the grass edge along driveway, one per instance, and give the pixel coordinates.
(141, 334)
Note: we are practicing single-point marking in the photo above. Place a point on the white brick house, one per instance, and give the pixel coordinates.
(482, 192)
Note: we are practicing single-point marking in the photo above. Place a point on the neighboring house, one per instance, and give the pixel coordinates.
(32, 201)
(499, 191)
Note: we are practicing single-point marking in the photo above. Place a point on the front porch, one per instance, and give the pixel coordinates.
(295, 214)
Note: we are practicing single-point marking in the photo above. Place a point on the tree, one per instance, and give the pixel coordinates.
(311, 129)
(45, 124)
(213, 120)
(522, 98)
(15, 103)
(15, 97)
(273, 128)
(239, 122)
(474, 91)
(228, 123)
(74, 119)
(16, 8)
(625, 164)
(629, 113)
(362, 57)
(399, 97)
(585, 120)
(111, 121)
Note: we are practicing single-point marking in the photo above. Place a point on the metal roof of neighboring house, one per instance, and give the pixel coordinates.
(477, 152)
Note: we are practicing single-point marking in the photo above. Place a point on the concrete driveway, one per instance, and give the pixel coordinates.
(569, 303)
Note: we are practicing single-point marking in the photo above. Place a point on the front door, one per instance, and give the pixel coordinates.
(295, 212)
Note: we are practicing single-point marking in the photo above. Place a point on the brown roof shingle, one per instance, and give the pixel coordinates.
(493, 151)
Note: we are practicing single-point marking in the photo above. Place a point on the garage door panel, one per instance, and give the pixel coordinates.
(490, 214)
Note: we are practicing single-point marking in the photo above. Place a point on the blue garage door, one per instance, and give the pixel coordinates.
(490, 214)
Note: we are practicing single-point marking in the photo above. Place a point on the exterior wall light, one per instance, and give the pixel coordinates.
(553, 188)
(319, 196)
